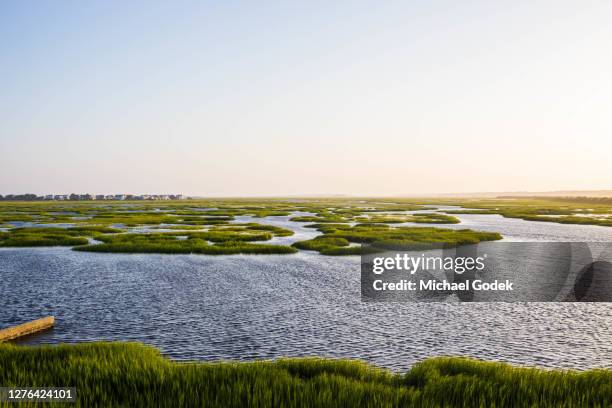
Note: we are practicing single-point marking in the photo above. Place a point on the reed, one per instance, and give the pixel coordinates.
(130, 374)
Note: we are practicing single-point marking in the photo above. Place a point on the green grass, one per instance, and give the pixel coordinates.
(468, 211)
(196, 243)
(319, 219)
(214, 221)
(559, 210)
(39, 240)
(604, 222)
(130, 374)
(420, 218)
(322, 243)
(206, 231)
(34, 237)
(181, 227)
(318, 226)
(228, 239)
(379, 237)
(251, 227)
(136, 219)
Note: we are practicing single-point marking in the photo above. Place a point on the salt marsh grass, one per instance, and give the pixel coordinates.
(130, 374)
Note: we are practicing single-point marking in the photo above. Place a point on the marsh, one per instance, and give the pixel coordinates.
(243, 307)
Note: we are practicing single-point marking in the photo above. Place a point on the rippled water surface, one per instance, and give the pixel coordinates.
(266, 306)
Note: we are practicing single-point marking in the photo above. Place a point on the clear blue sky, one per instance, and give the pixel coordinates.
(261, 98)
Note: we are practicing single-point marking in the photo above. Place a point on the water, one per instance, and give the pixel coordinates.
(244, 307)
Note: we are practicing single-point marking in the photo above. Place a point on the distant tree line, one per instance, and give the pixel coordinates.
(88, 197)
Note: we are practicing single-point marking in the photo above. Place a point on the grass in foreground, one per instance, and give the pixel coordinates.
(129, 374)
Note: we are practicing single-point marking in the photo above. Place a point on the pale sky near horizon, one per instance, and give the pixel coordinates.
(278, 98)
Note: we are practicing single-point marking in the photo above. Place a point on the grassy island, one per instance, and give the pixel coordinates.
(32, 237)
(336, 238)
(563, 210)
(130, 374)
(192, 244)
(419, 218)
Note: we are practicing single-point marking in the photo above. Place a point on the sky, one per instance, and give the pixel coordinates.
(287, 98)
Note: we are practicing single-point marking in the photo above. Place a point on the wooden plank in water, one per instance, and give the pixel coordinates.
(26, 328)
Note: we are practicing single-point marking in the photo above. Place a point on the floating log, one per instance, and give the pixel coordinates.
(26, 328)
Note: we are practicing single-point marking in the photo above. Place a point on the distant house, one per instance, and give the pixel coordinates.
(89, 197)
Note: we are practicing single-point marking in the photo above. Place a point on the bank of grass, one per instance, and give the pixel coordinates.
(419, 218)
(322, 243)
(230, 239)
(137, 219)
(130, 374)
(192, 243)
(325, 209)
(336, 238)
(604, 222)
(36, 237)
(180, 227)
(320, 218)
(249, 227)
(475, 212)
(195, 212)
(563, 210)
